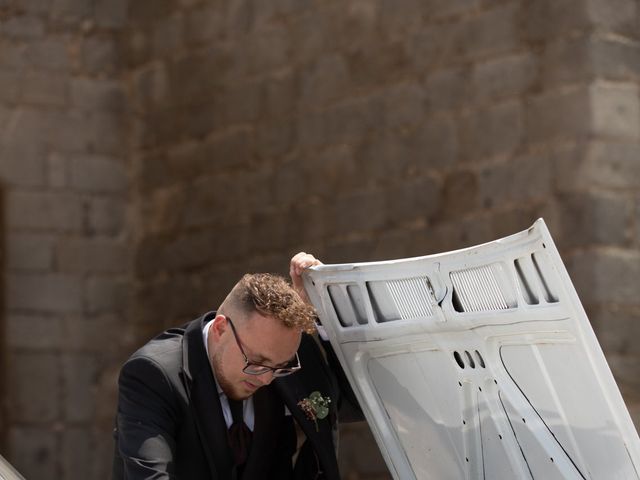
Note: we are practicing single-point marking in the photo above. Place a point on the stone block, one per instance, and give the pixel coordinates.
(274, 139)
(448, 89)
(34, 332)
(494, 131)
(10, 85)
(264, 51)
(106, 215)
(99, 55)
(606, 164)
(595, 272)
(433, 144)
(619, 16)
(52, 292)
(97, 173)
(97, 94)
(52, 53)
(188, 251)
(103, 334)
(106, 294)
(492, 32)
(281, 92)
(616, 59)
(522, 180)
(550, 19)
(36, 6)
(91, 255)
(57, 170)
(143, 12)
(417, 199)
(430, 47)
(240, 104)
(26, 251)
(22, 165)
(324, 81)
(45, 211)
(445, 8)
(23, 27)
(357, 212)
(68, 131)
(589, 219)
(79, 375)
(388, 62)
(167, 39)
(203, 24)
(616, 110)
(46, 89)
(268, 232)
(460, 193)
(104, 133)
(70, 10)
(504, 77)
(110, 13)
(404, 106)
(33, 449)
(566, 61)
(14, 55)
(77, 442)
(557, 114)
(30, 376)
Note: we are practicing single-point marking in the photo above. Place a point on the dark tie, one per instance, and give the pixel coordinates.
(239, 434)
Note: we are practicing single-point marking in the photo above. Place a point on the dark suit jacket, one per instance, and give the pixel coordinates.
(170, 425)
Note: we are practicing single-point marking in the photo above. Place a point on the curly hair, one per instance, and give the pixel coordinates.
(272, 296)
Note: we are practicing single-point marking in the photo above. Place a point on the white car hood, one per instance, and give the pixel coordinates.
(478, 364)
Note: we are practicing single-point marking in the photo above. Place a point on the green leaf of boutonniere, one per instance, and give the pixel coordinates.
(315, 407)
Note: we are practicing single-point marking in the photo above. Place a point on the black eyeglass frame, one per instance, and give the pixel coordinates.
(276, 371)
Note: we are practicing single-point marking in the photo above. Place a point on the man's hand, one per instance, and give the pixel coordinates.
(299, 262)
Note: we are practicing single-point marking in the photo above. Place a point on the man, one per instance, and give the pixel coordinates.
(217, 398)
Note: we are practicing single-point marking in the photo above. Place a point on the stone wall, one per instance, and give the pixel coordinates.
(241, 132)
(63, 166)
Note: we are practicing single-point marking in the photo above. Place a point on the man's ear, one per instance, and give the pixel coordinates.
(218, 327)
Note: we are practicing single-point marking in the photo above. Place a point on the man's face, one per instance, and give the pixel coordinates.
(264, 340)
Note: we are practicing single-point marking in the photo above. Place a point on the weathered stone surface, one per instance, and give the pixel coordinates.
(81, 254)
(22, 165)
(594, 271)
(30, 251)
(97, 174)
(34, 450)
(616, 110)
(504, 77)
(51, 292)
(106, 215)
(78, 377)
(44, 211)
(588, 219)
(558, 114)
(491, 132)
(31, 375)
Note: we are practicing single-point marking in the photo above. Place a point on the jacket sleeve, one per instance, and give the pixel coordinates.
(145, 423)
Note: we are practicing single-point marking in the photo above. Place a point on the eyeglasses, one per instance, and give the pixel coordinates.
(252, 368)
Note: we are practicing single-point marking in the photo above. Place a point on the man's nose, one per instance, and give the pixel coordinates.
(265, 378)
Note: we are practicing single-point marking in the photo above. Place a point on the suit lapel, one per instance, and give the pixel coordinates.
(205, 401)
(295, 388)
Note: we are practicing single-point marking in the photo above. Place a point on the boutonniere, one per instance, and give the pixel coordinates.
(315, 407)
